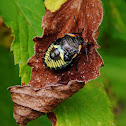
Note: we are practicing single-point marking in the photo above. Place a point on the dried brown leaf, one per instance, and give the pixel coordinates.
(48, 88)
(30, 103)
(55, 24)
(52, 117)
(24, 114)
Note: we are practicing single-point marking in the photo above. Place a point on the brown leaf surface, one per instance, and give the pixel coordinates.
(88, 14)
(31, 103)
(52, 117)
(48, 88)
(24, 114)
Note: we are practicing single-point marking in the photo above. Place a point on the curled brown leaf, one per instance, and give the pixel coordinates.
(52, 117)
(48, 88)
(24, 114)
(31, 103)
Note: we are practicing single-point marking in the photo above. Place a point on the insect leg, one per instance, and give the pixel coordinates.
(78, 57)
(76, 22)
(80, 33)
(86, 51)
(43, 58)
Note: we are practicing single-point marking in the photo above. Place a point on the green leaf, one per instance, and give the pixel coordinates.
(114, 19)
(88, 107)
(54, 5)
(24, 18)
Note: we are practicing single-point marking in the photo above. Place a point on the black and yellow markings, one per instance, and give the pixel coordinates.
(55, 63)
(63, 50)
(47, 54)
(79, 48)
(51, 63)
(72, 35)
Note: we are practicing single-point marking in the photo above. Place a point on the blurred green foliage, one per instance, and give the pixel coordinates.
(5, 32)
(24, 18)
(112, 40)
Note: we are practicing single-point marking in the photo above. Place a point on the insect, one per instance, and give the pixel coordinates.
(62, 51)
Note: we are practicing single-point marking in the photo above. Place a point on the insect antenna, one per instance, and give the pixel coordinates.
(76, 22)
(80, 33)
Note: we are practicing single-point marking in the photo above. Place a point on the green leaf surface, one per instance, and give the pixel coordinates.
(24, 18)
(88, 107)
(54, 5)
